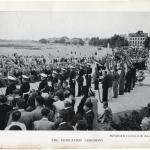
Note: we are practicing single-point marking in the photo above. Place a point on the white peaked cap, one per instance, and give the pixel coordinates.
(25, 77)
(43, 75)
(63, 69)
(11, 78)
(71, 67)
(45, 95)
(55, 72)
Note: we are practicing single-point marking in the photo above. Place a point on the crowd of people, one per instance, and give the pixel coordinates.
(52, 105)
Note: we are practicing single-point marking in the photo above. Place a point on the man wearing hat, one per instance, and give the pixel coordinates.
(122, 80)
(105, 87)
(54, 79)
(11, 87)
(128, 80)
(43, 84)
(72, 79)
(80, 84)
(88, 76)
(25, 86)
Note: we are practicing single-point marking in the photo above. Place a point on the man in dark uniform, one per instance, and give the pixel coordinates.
(96, 79)
(80, 84)
(25, 87)
(54, 79)
(43, 86)
(105, 87)
(11, 87)
(64, 75)
(72, 79)
(88, 76)
(128, 79)
(122, 81)
(133, 70)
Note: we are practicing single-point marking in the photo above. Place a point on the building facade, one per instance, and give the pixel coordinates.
(137, 39)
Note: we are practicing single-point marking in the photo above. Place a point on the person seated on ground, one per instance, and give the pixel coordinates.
(89, 115)
(145, 123)
(15, 121)
(44, 123)
(81, 125)
(106, 117)
(61, 121)
(4, 109)
(70, 112)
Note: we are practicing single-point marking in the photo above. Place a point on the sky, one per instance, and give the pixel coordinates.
(37, 25)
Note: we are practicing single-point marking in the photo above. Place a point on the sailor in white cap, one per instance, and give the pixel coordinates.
(25, 86)
(54, 79)
(88, 64)
(71, 67)
(43, 84)
(11, 85)
(54, 73)
(43, 75)
(63, 69)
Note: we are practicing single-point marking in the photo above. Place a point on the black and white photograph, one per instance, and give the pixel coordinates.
(74, 71)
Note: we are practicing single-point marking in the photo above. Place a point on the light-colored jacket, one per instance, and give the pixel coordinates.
(43, 124)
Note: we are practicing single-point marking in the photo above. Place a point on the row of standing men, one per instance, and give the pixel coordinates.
(119, 81)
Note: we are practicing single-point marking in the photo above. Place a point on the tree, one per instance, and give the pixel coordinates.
(94, 41)
(118, 41)
(61, 40)
(115, 41)
(81, 42)
(147, 43)
(43, 41)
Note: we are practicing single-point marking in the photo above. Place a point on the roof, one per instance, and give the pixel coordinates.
(138, 34)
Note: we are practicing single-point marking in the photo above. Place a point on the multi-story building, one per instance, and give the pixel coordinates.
(137, 39)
